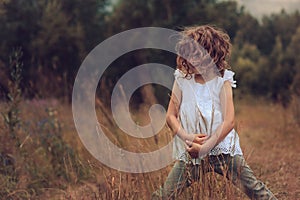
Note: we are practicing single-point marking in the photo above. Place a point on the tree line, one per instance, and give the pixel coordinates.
(56, 35)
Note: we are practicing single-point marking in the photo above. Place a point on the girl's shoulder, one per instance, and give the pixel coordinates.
(179, 74)
(228, 76)
(180, 78)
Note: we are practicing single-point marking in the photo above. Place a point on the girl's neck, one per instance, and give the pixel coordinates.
(202, 78)
(199, 78)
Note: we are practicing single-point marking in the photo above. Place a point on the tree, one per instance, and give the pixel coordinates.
(281, 75)
(18, 25)
(90, 14)
(54, 36)
(57, 48)
(247, 31)
(292, 56)
(245, 63)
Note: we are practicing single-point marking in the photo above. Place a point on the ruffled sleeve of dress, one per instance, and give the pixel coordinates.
(228, 76)
(179, 77)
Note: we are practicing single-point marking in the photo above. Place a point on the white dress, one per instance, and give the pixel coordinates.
(201, 99)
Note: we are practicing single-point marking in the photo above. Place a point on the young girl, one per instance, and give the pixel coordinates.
(201, 115)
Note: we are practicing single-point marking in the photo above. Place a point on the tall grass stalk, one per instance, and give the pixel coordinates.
(12, 114)
(10, 139)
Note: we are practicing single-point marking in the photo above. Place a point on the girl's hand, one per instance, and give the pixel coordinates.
(200, 138)
(197, 145)
(193, 148)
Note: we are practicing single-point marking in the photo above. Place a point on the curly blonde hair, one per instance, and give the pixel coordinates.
(203, 46)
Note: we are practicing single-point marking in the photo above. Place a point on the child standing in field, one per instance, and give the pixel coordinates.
(201, 115)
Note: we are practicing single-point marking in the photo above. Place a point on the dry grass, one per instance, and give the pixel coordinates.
(269, 138)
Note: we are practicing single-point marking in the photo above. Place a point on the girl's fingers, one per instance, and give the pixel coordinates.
(186, 146)
(203, 139)
(200, 140)
(192, 146)
(189, 146)
(196, 137)
(200, 135)
(189, 143)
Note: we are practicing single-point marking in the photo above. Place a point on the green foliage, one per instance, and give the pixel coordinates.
(56, 35)
(293, 52)
(58, 43)
(245, 63)
(247, 31)
(281, 76)
(274, 59)
(292, 56)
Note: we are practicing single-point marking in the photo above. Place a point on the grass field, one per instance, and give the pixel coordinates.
(50, 162)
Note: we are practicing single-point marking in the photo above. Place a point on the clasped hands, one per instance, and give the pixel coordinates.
(195, 143)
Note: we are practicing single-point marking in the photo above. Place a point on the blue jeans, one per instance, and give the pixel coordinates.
(182, 175)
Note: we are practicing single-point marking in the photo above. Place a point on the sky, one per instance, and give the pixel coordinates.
(258, 8)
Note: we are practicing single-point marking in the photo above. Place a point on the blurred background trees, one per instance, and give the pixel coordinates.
(55, 36)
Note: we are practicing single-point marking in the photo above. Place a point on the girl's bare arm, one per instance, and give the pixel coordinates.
(173, 110)
(227, 111)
